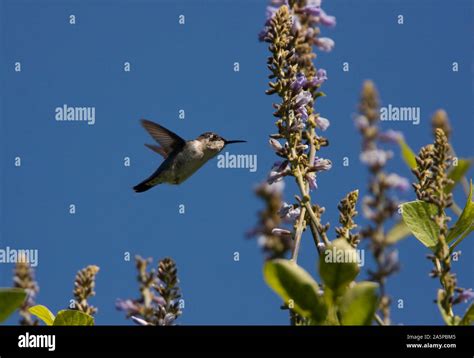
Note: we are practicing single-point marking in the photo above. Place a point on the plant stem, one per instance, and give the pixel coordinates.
(315, 233)
(456, 209)
(301, 223)
(465, 186)
(313, 217)
(379, 320)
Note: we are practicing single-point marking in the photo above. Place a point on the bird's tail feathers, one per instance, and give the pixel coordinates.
(143, 186)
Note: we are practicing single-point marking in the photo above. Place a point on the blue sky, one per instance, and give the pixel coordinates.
(190, 67)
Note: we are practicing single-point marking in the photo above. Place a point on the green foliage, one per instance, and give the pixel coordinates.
(338, 266)
(359, 304)
(457, 173)
(465, 223)
(407, 154)
(468, 318)
(296, 287)
(341, 304)
(10, 300)
(398, 232)
(63, 318)
(43, 313)
(417, 215)
(73, 318)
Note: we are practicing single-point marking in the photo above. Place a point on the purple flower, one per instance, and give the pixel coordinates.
(281, 232)
(312, 10)
(169, 318)
(278, 171)
(276, 145)
(280, 166)
(127, 306)
(263, 34)
(375, 157)
(311, 178)
(324, 44)
(320, 77)
(289, 212)
(326, 19)
(397, 182)
(321, 164)
(295, 23)
(391, 263)
(368, 213)
(303, 112)
(464, 296)
(310, 32)
(270, 12)
(299, 82)
(159, 300)
(274, 188)
(299, 125)
(391, 136)
(140, 321)
(313, 7)
(303, 98)
(361, 122)
(322, 123)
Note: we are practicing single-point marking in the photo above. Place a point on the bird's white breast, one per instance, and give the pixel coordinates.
(189, 160)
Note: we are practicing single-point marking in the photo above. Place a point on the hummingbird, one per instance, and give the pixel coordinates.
(182, 157)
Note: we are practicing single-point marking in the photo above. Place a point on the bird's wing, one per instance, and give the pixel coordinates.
(157, 149)
(168, 140)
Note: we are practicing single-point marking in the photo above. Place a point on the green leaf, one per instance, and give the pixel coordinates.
(10, 300)
(465, 223)
(73, 318)
(43, 313)
(358, 305)
(417, 215)
(296, 288)
(468, 318)
(407, 154)
(457, 173)
(338, 266)
(398, 232)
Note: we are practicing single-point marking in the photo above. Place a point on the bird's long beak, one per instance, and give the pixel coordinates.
(234, 141)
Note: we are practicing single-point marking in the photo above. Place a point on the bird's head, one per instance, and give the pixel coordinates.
(214, 142)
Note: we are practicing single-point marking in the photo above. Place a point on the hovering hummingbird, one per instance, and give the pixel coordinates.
(182, 158)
